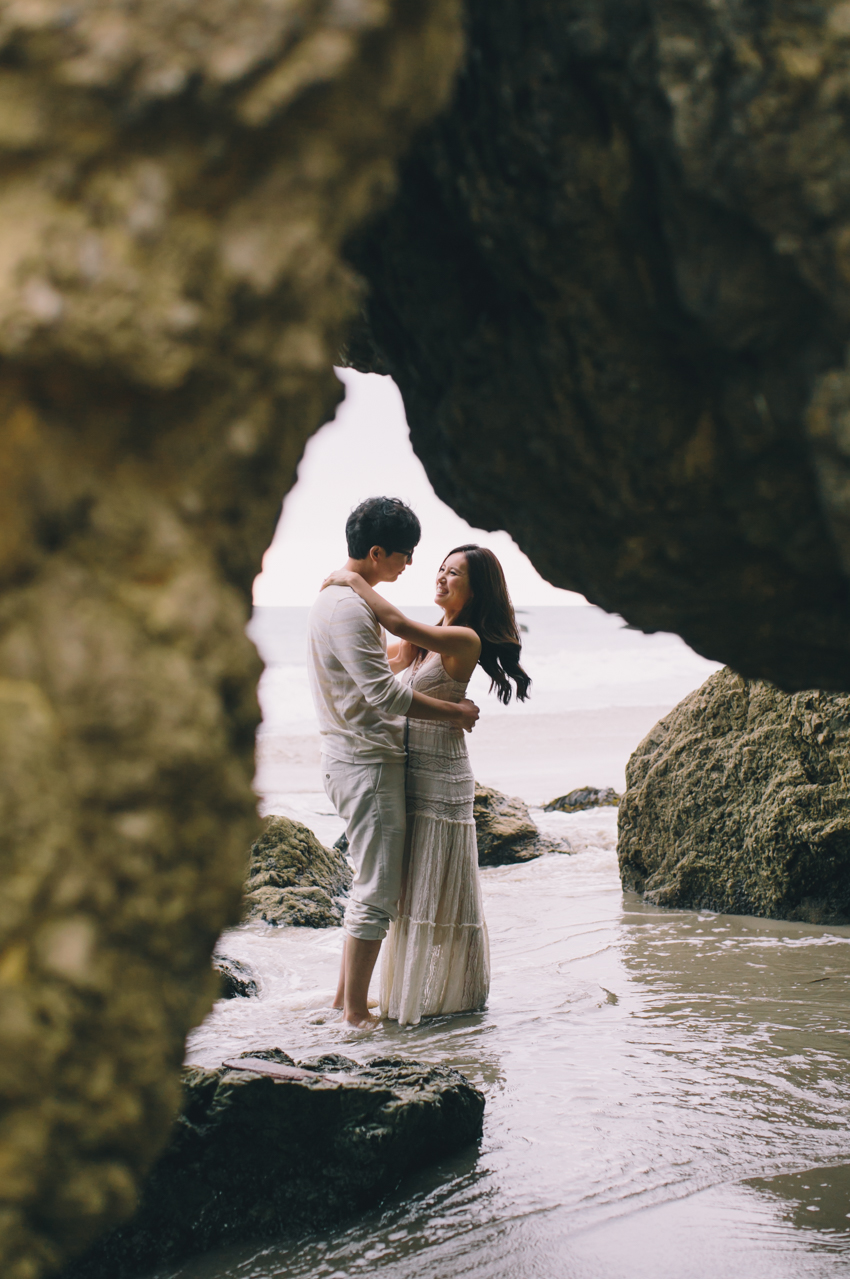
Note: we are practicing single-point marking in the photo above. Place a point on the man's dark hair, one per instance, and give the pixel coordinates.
(381, 521)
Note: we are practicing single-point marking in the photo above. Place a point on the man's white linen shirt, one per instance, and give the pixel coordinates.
(359, 702)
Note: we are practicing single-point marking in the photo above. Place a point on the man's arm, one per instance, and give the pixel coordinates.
(358, 648)
(451, 641)
(360, 651)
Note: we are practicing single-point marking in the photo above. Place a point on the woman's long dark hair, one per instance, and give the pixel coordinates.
(490, 614)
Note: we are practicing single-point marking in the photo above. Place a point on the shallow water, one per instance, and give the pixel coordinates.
(667, 1091)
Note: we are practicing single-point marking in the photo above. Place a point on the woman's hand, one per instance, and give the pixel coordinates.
(342, 577)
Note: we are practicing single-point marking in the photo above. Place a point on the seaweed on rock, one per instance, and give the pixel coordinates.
(739, 801)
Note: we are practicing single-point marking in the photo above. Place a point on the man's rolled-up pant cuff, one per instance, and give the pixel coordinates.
(365, 922)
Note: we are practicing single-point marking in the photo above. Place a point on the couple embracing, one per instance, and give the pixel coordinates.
(394, 763)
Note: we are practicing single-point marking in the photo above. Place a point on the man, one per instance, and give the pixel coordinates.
(361, 708)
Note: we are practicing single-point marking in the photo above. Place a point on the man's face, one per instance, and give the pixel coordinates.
(392, 565)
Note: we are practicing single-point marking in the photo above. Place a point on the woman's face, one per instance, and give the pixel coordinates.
(453, 589)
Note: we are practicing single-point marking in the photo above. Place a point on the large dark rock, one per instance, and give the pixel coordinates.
(614, 289)
(505, 831)
(293, 879)
(254, 1156)
(738, 801)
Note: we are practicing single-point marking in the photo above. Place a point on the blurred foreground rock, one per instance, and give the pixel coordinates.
(614, 289)
(293, 879)
(178, 181)
(255, 1157)
(506, 832)
(739, 801)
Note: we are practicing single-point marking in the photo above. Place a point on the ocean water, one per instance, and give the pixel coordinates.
(597, 689)
(668, 1092)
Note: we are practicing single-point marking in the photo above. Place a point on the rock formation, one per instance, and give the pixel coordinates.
(738, 801)
(236, 980)
(253, 1156)
(293, 879)
(178, 180)
(584, 797)
(614, 289)
(505, 831)
(615, 292)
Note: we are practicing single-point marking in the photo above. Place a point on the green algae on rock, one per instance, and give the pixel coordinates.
(254, 1157)
(739, 801)
(178, 182)
(293, 879)
(296, 907)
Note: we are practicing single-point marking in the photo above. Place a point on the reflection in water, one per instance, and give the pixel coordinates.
(815, 1199)
(656, 1083)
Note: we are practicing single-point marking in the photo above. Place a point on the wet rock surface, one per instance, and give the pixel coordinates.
(737, 801)
(256, 1157)
(293, 879)
(505, 830)
(178, 181)
(614, 291)
(584, 797)
(236, 979)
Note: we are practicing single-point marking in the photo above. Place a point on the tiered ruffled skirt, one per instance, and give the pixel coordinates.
(436, 959)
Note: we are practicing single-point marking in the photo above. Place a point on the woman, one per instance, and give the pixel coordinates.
(437, 959)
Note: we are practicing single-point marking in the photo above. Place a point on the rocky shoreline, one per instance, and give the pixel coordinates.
(737, 801)
(260, 1155)
(280, 1146)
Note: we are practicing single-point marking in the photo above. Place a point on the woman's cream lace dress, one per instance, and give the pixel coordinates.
(437, 956)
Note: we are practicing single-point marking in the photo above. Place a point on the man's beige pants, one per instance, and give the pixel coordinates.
(370, 800)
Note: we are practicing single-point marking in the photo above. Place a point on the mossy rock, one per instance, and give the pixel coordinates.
(737, 801)
(293, 879)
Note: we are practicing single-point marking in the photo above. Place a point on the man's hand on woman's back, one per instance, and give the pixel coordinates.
(469, 713)
(462, 714)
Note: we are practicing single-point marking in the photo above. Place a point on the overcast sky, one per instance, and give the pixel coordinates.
(366, 451)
